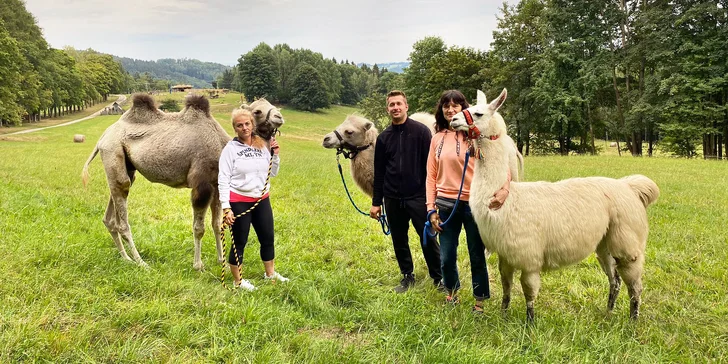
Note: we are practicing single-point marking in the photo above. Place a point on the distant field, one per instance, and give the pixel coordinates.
(66, 296)
(59, 120)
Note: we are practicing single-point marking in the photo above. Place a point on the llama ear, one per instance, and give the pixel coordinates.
(481, 100)
(368, 125)
(498, 102)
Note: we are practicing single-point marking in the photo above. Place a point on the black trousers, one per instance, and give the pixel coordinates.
(399, 213)
(262, 220)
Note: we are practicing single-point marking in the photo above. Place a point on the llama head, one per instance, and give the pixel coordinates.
(268, 118)
(482, 120)
(354, 132)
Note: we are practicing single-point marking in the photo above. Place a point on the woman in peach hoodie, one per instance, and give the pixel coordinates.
(445, 165)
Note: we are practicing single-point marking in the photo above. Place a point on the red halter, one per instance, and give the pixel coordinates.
(473, 132)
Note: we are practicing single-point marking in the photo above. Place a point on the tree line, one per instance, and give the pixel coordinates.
(648, 73)
(189, 71)
(303, 78)
(37, 81)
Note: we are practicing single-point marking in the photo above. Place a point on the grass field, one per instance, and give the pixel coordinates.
(66, 296)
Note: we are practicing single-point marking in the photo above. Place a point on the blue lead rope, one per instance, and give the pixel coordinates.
(428, 225)
(382, 218)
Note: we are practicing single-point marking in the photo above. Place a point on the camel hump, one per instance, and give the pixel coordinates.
(143, 101)
(198, 102)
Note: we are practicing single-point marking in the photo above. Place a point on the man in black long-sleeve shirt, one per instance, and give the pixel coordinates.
(400, 171)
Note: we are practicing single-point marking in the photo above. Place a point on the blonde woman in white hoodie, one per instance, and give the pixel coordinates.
(243, 171)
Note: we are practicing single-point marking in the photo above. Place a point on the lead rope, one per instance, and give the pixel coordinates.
(382, 217)
(428, 224)
(224, 226)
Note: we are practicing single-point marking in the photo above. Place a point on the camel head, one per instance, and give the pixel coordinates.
(355, 134)
(267, 117)
(482, 120)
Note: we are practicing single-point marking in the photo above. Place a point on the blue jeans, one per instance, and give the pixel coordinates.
(449, 239)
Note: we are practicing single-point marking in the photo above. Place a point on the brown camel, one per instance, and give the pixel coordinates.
(179, 150)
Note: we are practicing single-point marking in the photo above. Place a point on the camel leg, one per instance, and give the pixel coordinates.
(125, 229)
(216, 217)
(609, 266)
(120, 180)
(530, 282)
(506, 273)
(111, 223)
(198, 227)
(631, 273)
(201, 195)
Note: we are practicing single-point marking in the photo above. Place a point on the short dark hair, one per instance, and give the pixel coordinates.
(447, 97)
(396, 93)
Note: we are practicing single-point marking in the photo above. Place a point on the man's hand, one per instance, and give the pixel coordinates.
(375, 211)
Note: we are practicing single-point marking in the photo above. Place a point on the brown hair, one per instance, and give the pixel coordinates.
(396, 93)
(255, 140)
(447, 97)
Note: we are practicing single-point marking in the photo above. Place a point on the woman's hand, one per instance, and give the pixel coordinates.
(228, 216)
(274, 146)
(499, 198)
(435, 221)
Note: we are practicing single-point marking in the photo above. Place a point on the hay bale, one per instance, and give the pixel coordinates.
(79, 138)
(613, 144)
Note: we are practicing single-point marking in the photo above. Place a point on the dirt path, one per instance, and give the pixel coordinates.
(121, 99)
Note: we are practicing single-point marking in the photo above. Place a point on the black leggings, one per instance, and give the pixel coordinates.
(261, 218)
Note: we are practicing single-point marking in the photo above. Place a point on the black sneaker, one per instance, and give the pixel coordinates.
(407, 281)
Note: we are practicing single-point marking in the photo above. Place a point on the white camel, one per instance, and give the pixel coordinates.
(545, 226)
(179, 150)
(357, 137)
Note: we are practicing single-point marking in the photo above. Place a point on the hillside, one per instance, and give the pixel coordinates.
(396, 67)
(186, 71)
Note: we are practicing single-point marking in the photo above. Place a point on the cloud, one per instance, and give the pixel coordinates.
(221, 30)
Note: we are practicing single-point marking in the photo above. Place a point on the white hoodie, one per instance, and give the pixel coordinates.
(243, 169)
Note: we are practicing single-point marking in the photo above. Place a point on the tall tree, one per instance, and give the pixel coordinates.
(517, 45)
(416, 82)
(258, 74)
(309, 89)
(10, 77)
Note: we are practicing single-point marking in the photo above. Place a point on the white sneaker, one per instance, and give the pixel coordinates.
(275, 276)
(246, 285)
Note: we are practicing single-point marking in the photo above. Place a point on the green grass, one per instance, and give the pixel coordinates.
(66, 296)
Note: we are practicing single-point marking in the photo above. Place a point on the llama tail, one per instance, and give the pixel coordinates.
(519, 156)
(643, 187)
(84, 173)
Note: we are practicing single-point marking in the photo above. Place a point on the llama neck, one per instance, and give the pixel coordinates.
(491, 172)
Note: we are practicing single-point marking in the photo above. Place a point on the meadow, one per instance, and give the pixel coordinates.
(66, 295)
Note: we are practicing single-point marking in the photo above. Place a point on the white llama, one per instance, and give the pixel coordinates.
(545, 226)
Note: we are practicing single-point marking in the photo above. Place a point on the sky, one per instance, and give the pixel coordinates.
(221, 31)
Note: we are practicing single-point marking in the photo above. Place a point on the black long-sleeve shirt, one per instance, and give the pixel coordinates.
(400, 161)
